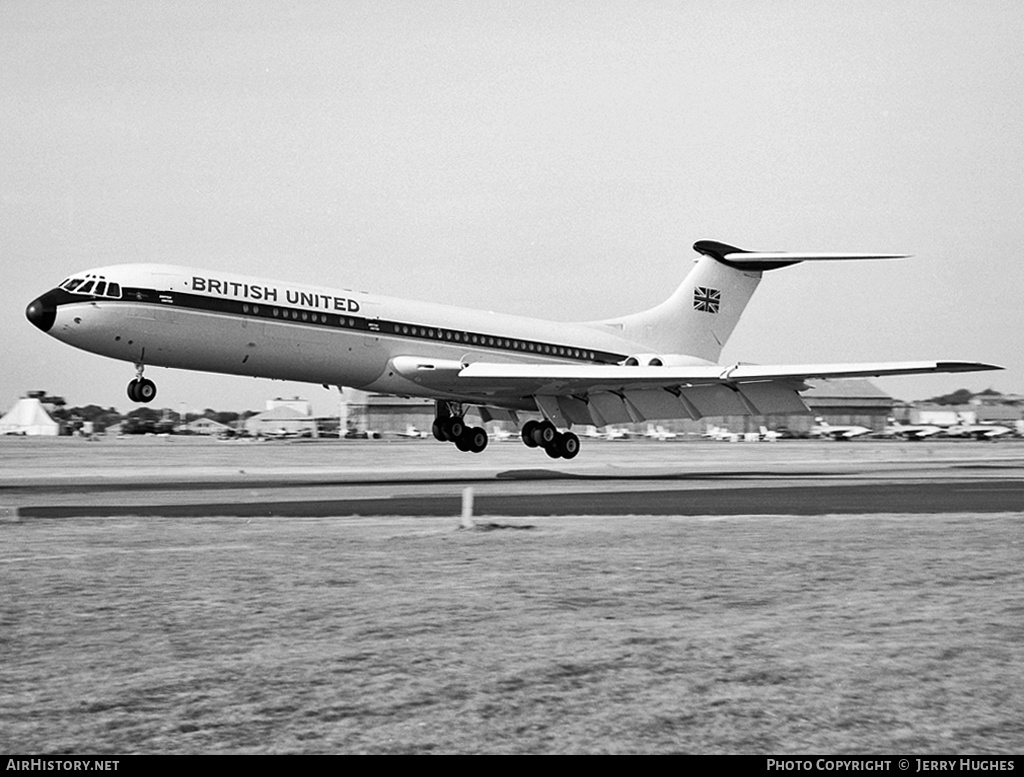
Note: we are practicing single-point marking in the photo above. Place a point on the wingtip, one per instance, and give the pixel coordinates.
(958, 366)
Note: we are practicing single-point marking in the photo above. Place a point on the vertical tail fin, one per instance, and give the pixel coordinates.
(697, 320)
(699, 317)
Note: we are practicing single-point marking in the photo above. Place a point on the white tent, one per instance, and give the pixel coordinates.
(28, 416)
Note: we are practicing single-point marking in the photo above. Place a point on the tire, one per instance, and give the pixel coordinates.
(133, 390)
(544, 434)
(145, 390)
(527, 434)
(568, 445)
(454, 429)
(477, 439)
(438, 431)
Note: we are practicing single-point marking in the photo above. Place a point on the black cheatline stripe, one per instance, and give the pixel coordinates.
(292, 315)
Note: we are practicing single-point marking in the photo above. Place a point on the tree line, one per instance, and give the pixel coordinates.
(141, 420)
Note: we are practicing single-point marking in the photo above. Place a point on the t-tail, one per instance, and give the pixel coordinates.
(698, 319)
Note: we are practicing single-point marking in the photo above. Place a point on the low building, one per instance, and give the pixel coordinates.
(847, 402)
(205, 426)
(973, 413)
(282, 421)
(386, 414)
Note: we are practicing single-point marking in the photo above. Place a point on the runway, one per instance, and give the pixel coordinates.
(203, 478)
(181, 596)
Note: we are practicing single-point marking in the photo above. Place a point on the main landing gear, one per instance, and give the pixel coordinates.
(450, 426)
(141, 389)
(557, 445)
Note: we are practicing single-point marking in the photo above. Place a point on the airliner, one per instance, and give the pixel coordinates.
(661, 363)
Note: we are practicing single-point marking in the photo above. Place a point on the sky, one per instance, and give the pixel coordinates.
(552, 159)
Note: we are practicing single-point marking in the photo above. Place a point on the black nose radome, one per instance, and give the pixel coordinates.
(42, 312)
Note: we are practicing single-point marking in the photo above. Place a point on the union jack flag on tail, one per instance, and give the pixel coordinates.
(706, 299)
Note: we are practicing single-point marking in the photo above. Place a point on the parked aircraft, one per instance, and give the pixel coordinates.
(912, 432)
(720, 433)
(412, 432)
(979, 431)
(659, 433)
(500, 434)
(617, 433)
(768, 435)
(589, 431)
(824, 429)
(659, 363)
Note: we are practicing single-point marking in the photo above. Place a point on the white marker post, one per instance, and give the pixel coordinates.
(467, 508)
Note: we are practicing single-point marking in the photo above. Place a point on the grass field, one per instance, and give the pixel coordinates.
(878, 634)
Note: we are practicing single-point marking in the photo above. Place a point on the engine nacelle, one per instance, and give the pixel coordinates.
(664, 360)
(644, 360)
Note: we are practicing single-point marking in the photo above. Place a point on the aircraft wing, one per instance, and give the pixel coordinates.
(611, 394)
(572, 377)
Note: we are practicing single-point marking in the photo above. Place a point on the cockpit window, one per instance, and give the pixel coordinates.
(98, 288)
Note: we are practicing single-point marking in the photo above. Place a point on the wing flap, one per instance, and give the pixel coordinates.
(654, 403)
(607, 408)
(770, 397)
(716, 400)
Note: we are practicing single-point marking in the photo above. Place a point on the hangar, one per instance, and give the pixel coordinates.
(284, 418)
(840, 402)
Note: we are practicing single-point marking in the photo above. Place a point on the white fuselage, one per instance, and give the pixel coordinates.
(219, 322)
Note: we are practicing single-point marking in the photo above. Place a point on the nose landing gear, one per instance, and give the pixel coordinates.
(556, 444)
(141, 389)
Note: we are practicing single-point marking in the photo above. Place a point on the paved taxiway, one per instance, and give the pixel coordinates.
(189, 477)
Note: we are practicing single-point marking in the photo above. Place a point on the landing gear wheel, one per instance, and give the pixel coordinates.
(477, 439)
(463, 443)
(453, 429)
(552, 451)
(568, 445)
(145, 390)
(438, 431)
(544, 434)
(141, 390)
(527, 434)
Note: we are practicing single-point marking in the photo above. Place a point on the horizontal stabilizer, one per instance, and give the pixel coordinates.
(774, 257)
(758, 261)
